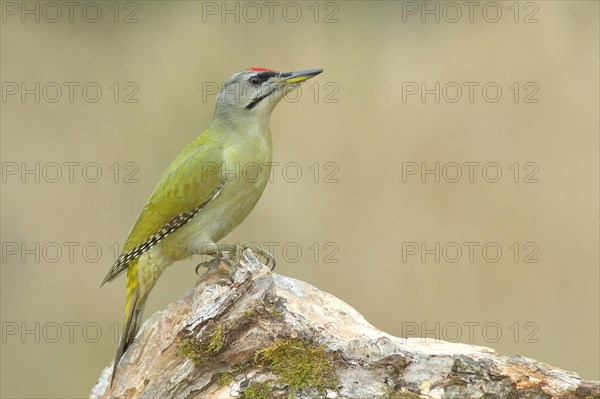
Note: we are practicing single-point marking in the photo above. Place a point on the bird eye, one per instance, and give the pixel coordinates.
(254, 80)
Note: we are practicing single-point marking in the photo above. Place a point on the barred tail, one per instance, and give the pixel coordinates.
(133, 314)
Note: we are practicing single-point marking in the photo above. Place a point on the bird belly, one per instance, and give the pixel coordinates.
(219, 217)
(226, 212)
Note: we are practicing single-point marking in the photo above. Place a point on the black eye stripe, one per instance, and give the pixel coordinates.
(263, 77)
(266, 75)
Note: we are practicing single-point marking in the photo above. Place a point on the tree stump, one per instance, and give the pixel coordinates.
(251, 334)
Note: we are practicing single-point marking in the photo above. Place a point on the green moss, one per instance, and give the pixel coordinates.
(191, 349)
(257, 391)
(225, 379)
(216, 340)
(201, 351)
(299, 364)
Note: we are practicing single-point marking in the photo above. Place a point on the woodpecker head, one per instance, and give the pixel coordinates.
(254, 92)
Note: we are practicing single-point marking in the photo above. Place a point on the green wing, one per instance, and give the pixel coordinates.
(192, 180)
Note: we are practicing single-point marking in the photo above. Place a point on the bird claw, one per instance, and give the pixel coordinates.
(269, 258)
(214, 262)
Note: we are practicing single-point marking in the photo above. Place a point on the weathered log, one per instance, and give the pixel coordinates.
(249, 333)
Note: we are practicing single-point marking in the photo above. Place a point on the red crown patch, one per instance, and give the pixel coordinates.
(261, 69)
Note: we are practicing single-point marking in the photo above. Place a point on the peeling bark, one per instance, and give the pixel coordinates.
(261, 335)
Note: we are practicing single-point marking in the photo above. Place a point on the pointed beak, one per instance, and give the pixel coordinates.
(299, 76)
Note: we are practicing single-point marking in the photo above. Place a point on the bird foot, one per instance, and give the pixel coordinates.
(232, 254)
(210, 264)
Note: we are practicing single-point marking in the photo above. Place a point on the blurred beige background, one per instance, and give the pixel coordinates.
(363, 209)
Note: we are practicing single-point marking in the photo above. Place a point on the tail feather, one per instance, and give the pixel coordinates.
(133, 315)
